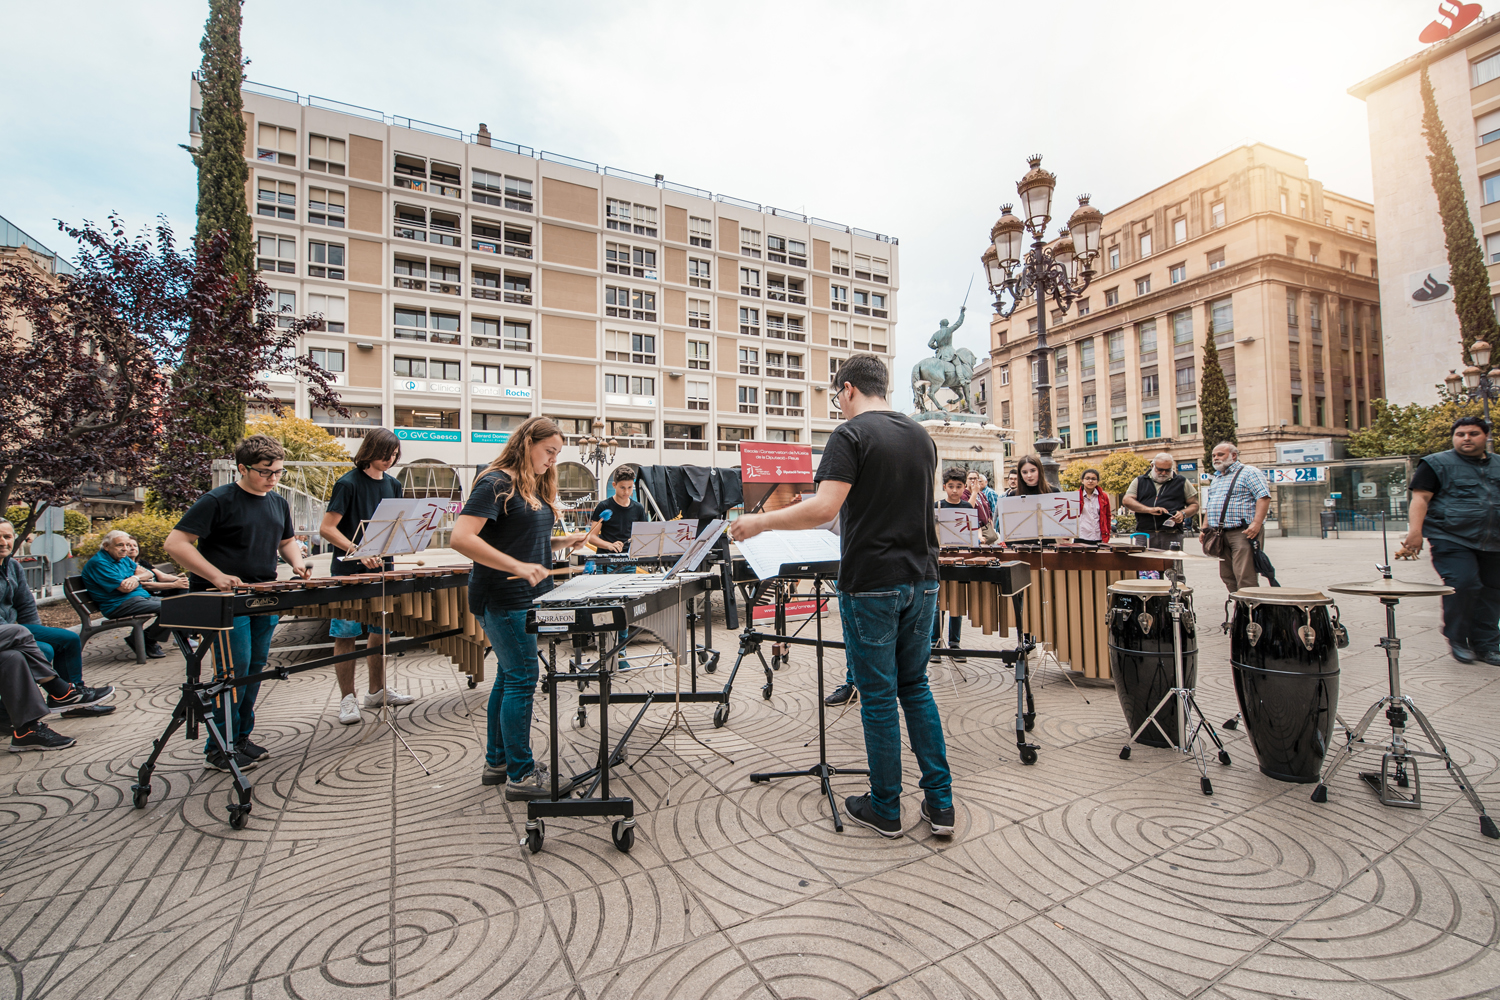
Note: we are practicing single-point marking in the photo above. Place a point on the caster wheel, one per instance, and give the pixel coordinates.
(473, 684)
(581, 719)
(1030, 719)
(546, 686)
(711, 667)
(1320, 794)
(1487, 827)
(623, 836)
(721, 716)
(1224, 757)
(139, 795)
(1028, 755)
(765, 692)
(534, 837)
(238, 818)
(1124, 753)
(1208, 787)
(1232, 724)
(1402, 781)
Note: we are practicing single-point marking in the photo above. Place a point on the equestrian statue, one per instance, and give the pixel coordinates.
(947, 369)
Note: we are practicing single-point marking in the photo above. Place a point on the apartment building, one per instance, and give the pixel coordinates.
(1421, 327)
(1285, 271)
(468, 284)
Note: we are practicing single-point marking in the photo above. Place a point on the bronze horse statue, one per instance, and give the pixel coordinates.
(947, 369)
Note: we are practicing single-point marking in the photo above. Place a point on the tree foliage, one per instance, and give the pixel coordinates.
(303, 440)
(1116, 470)
(1215, 414)
(75, 523)
(1409, 430)
(1466, 268)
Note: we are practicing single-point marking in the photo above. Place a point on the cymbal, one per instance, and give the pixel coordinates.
(1164, 554)
(1390, 588)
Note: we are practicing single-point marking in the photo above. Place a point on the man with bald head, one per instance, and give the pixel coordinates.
(1162, 501)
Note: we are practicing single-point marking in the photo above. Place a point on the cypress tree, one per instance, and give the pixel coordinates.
(1466, 269)
(1215, 415)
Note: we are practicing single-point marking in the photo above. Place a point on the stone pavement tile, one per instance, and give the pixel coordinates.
(830, 946)
(146, 967)
(1405, 883)
(1278, 971)
(1452, 841)
(932, 982)
(708, 968)
(857, 852)
(606, 926)
(748, 879)
(699, 826)
(575, 859)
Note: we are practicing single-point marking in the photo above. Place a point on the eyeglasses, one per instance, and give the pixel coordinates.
(265, 473)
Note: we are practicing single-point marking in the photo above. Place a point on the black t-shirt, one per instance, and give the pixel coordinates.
(356, 496)
(946, 504)
(239, 532)
(887, 533)
(518, 531)
(1426, 480)
(617, 528)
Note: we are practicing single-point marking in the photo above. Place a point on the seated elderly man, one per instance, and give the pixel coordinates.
(123, 589)
(24, 675)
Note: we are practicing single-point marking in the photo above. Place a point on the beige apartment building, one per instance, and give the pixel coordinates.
(1421, 328)
(1285, 270)
(468, 284)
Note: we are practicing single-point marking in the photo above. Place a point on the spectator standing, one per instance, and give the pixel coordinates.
(1093, 519)
(1237, 502)
(1162, 501)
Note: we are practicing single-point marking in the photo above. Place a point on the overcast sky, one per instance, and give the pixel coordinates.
(912, 119)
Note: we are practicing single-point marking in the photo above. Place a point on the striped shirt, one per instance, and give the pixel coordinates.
(1250, 487)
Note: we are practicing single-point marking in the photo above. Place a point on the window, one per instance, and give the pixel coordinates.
(1492, 248)
(1182, 327)
(1223, 316)
(877, 305)
(1143, 285)
(697, 355)
(700, 273)
(862, 266)
(1315, 315)
(1005, 374)
(444, 327)
(286, 307)
(518, 377)
(517, 336)
(683, 436)
(749, 399)
(700, 232)
(325, 155)
(880, 270)
(1216, 214)
(1216, 259)
(1186, 382)
(629, 385)
(1083, 307)
(617, 215)
(276, 199)
(1146, 335)
(1491, 188)
(1313, 248)
(1348, 261)
(330, 308)
(1090, 434)
(1116, 344)
(784, 251)
(444, 370)
(697, 395)
(1064, 435)
(1150, 386)
(1061, 357)
(750, 242)
(411, 367)
(1348, 225)
(838, 297)
(1119, 430)
(485, 374)
(1179, 231)
(1085, 357)
(749, 322)
(276, 253)
(1364, 230)
(411, 223)
(1145, 245)
(780, 434)
(1487, 69)
(1302, 207)
(1114, 258)
(1284, 200)
(1187, 420)
(1111, 297)
(1296, 411)
(411, 324)
(749, 281)
(838, 333)
(501, 190)
(627, 303)
(1153, 426)
(839, 261)
(730, 437)
(276, 145)
(1291, 246)
(1487, 128)
(636, 348)
(1178, 273)
(1322, 412)
(411, 272)
(1293, 310)
(749, 361)
(639, 262)
(698, 314)
(325, 207)
(327, 359)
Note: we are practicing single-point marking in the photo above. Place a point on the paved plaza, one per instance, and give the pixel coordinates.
(1082, 876)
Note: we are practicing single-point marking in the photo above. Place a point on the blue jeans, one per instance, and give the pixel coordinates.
(1471, 612)
(62, 647)
(887, 640)
(249, 649)
(955, 628)
(516, 671)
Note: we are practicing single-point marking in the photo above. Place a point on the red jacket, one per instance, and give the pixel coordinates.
(1103, 513)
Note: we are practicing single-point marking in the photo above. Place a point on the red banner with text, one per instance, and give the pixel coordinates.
(775, 462)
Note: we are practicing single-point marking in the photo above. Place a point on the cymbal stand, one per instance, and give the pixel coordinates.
(1185, 697)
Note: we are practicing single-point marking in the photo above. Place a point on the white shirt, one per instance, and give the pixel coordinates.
(1088, 518)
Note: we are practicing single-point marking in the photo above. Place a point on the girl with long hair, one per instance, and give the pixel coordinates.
(506, 529)
(1030, 481)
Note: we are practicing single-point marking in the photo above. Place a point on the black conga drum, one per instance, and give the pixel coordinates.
(1284, 651)
(1141, 654)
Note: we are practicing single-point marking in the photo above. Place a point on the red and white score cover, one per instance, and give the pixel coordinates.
(775, 462)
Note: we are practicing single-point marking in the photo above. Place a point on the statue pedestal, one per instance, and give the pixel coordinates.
(967, 440)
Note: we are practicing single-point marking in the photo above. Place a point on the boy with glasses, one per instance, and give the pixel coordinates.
(238, 529)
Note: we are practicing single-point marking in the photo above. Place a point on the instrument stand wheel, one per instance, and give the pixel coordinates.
(581, 719)
(710, 663)
(536, 832)
(473, 684)
(623, 834)
(721, 715)
(1208, 786)
(1224, 757)
(1320, 794)
(1028, 753)
(139, 794)
(546, 686)
(1231, 724)
(1125, 753)
(1029, 719)
(239, 815)
(765, 691)
(1487, 827)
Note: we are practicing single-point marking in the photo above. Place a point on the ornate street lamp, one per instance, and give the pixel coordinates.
(596, 452)
(1060, 270)
(1474, 383)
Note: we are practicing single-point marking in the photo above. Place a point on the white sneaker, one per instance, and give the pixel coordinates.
(349, 710)
(387, 697)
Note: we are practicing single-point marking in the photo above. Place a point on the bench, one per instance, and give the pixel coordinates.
(88, 625)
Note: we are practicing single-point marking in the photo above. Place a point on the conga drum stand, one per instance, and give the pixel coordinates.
(1187, 701)
(1397, 783)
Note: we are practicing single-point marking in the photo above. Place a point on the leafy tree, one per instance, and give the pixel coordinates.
(1116, 470)
(75, 523)
(1215, 414)
(1409, 430)
(1466, 268)
(305, 441)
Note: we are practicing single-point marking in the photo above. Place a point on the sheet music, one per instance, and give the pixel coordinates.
(661, 538)
(1045, 515)
(956, 526)
(400, 526)
(699, 549)
(767, 551)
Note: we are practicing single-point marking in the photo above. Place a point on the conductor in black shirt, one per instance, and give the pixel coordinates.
(876, 476)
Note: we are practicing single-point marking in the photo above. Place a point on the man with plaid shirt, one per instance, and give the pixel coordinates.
(1237, 501)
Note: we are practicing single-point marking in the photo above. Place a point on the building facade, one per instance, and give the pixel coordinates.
(468, 284)
(1421, 326)
(1282, 268)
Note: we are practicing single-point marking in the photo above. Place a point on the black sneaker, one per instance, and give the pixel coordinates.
(79, 696)
(858, 807)
(941, 820)
(155, 652)
(38, 737)
(88, 712)
(1491, 656)
(1461, 653)
(218, 760)
(254, 751)
(956, 658)
(937, 653)
(841, 695)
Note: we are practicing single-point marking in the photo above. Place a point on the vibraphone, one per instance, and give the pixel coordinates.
(604, 606)
(430, 605)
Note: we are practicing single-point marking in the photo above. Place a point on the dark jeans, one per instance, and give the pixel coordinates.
(955, 628)
(887, 639)
(141, 604)
(249, 649)
(63, 648)
(1472, 611)
(511, 695)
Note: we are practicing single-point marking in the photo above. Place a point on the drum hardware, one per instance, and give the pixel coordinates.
(1253, 632)
(1145, 621)
(1185, 698)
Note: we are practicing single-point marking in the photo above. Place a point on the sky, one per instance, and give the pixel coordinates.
(909, 119)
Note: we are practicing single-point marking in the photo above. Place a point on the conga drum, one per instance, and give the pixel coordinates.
(1141, 654)
(1284, 651)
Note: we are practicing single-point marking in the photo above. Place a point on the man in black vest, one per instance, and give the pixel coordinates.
(1162, 501)
(1455, 505)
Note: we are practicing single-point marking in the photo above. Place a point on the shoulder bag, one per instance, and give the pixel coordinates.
(1212, 539)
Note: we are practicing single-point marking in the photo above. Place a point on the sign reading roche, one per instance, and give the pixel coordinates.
(427, 434)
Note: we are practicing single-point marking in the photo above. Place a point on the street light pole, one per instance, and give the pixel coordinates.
(1474, 383)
